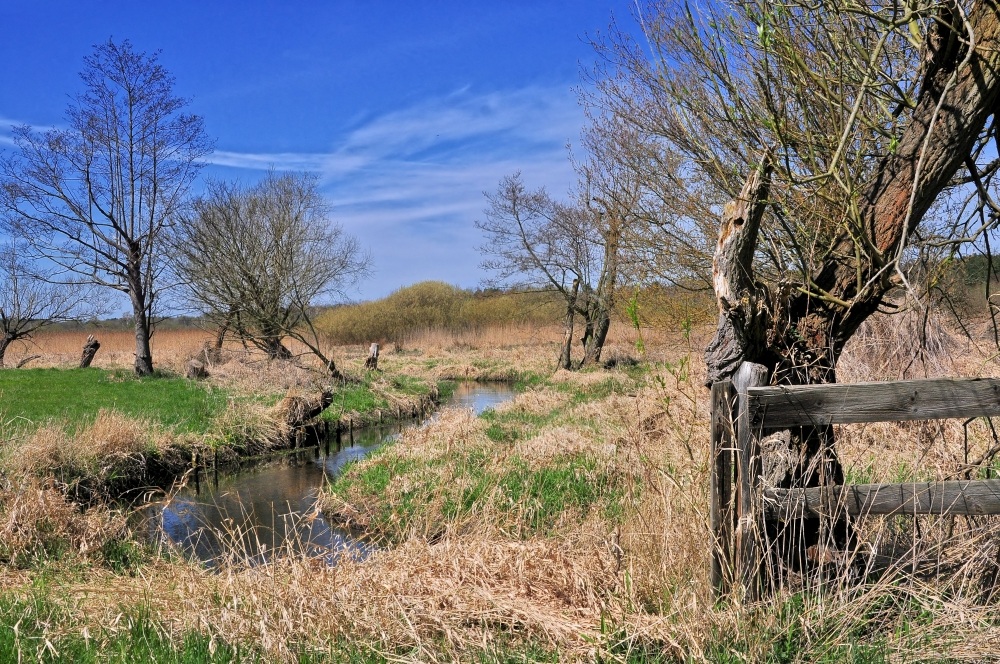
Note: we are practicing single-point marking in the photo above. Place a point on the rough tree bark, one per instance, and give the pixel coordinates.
(566, 355)
(5, 342)
(220, 332)
(799, 337)
(89, 351)
(601, 301)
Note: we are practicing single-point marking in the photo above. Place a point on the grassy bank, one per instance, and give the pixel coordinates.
(523, 469)
(101, 433)
(570, 524)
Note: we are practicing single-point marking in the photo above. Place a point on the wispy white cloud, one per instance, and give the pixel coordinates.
(410, 183)
(6, 138)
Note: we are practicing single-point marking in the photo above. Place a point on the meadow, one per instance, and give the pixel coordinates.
(570, 524)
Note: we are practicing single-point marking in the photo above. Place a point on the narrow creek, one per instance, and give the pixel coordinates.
(270, 509)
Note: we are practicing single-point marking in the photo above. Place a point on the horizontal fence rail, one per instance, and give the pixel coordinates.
(956, 497)
(898, 401)
(743, 410)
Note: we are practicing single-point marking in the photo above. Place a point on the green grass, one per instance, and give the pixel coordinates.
(35, 629)
(358, 398)
(475, 480)
(24, 636)
(798, 628)
(74, 396)
(362, 397)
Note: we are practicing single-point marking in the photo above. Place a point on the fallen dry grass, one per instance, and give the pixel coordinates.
(614, 583)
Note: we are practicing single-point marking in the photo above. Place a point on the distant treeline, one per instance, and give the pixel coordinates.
(433, 305)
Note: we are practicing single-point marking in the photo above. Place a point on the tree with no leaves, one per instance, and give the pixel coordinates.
(28, 303)
(258, 258)
(534, 242)
(95, 199)
(848, 135)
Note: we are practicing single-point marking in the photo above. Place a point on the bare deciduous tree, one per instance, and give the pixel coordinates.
(536, 243)
(95, 198)
(28, 303)
(872, 117)
(257, 259)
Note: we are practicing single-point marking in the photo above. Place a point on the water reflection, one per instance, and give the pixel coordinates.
(271, 509)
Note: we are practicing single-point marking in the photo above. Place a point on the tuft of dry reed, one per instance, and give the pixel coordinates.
(37, 521)
(110, 452)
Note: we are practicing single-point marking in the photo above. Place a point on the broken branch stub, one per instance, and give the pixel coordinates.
(742, 300)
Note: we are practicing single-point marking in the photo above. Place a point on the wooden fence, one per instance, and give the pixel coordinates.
(743, 410)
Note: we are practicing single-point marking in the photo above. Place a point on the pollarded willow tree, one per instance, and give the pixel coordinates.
(848, 136)
(95, 199)
(257, 259)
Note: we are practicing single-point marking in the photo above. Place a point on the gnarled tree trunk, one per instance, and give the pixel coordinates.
(799, 338)
(5, 342)
(89, 351)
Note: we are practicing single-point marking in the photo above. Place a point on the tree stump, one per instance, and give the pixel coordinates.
(196, 370)
(372, 362)
(294, 412)
(89, 351)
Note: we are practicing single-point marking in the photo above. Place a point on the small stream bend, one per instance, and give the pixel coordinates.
(254, 514)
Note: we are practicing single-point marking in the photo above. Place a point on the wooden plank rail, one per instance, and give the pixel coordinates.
(897, 401)
(973, 497)
(759, 409)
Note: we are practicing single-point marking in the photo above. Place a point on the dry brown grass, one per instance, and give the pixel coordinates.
(596, 584)
(62, 348)
(97, 459)
(37, 521)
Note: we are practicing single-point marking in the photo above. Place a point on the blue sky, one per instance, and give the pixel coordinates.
(408, 111)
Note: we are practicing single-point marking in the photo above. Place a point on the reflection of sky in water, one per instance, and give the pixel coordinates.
(271, 508)
(480, 396)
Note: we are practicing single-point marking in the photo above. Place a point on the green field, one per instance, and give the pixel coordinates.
(31, 397)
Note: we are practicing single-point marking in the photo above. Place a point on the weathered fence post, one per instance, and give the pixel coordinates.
(721, 488)
(749, 529)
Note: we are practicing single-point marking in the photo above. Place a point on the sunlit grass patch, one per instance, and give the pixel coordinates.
(71, 397)
(33, 628)
(524, 468)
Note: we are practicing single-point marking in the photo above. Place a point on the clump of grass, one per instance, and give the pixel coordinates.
(26, 633)
(38, 523)
(103, 458)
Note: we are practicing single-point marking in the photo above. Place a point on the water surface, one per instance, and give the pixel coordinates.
(254, 513)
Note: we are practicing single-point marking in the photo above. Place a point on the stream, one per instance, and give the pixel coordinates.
(253, 514)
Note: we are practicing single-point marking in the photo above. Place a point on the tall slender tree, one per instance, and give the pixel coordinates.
(94, 199)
